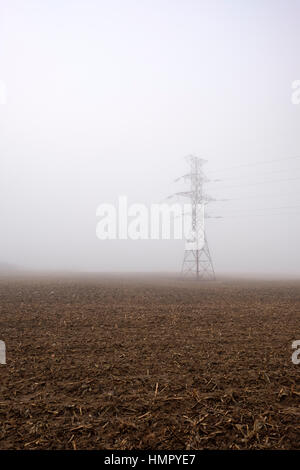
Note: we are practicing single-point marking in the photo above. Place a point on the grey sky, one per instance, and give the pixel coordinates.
(106, 98)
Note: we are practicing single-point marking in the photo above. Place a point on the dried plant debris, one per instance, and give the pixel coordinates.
(125, 363)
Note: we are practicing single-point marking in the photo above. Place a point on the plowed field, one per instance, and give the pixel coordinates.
(148, 363)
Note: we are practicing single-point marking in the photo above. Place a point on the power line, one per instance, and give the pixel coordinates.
(261, 182)
(266, 162)
(267, 211)
(274, 208)
(255, 215)
(245, 176)
(256, 196)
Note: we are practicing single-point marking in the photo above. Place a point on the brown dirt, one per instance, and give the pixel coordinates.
(125, 363)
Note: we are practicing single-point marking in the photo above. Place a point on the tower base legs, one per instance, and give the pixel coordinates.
(197, 264)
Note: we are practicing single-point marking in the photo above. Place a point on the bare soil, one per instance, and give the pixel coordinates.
(148, 363)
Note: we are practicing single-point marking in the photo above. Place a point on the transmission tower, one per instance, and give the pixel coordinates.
(197, 262)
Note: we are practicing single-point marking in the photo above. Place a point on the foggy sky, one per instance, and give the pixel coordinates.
(105, 98)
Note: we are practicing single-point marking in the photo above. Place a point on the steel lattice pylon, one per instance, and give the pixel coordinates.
(197, 262)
